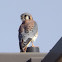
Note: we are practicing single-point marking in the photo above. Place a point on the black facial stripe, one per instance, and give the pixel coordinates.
(29, 17)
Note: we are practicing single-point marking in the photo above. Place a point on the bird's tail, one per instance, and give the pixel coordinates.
(25, 44)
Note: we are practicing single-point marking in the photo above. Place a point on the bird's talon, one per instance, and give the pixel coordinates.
(25, 49)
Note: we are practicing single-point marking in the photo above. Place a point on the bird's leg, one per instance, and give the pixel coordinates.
(33, 45)
(25, 49)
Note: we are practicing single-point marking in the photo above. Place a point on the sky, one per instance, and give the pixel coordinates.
(47, 14)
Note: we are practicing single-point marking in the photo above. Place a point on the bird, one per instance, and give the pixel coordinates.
(28, 31)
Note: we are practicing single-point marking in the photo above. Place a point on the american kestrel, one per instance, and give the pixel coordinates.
(28, 31)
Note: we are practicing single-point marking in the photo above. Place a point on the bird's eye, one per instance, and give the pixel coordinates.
(25, 15)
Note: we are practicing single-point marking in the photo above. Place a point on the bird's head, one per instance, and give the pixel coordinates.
(26, 16)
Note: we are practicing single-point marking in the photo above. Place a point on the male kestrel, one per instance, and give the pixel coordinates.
(28, 31)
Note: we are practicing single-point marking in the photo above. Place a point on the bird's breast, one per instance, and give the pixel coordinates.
(35, 37)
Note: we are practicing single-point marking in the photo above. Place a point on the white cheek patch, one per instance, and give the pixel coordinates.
(27, 18)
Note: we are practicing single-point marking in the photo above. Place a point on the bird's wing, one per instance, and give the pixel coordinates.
(20, 36)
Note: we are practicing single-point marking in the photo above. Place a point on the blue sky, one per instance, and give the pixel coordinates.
(47, 14)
